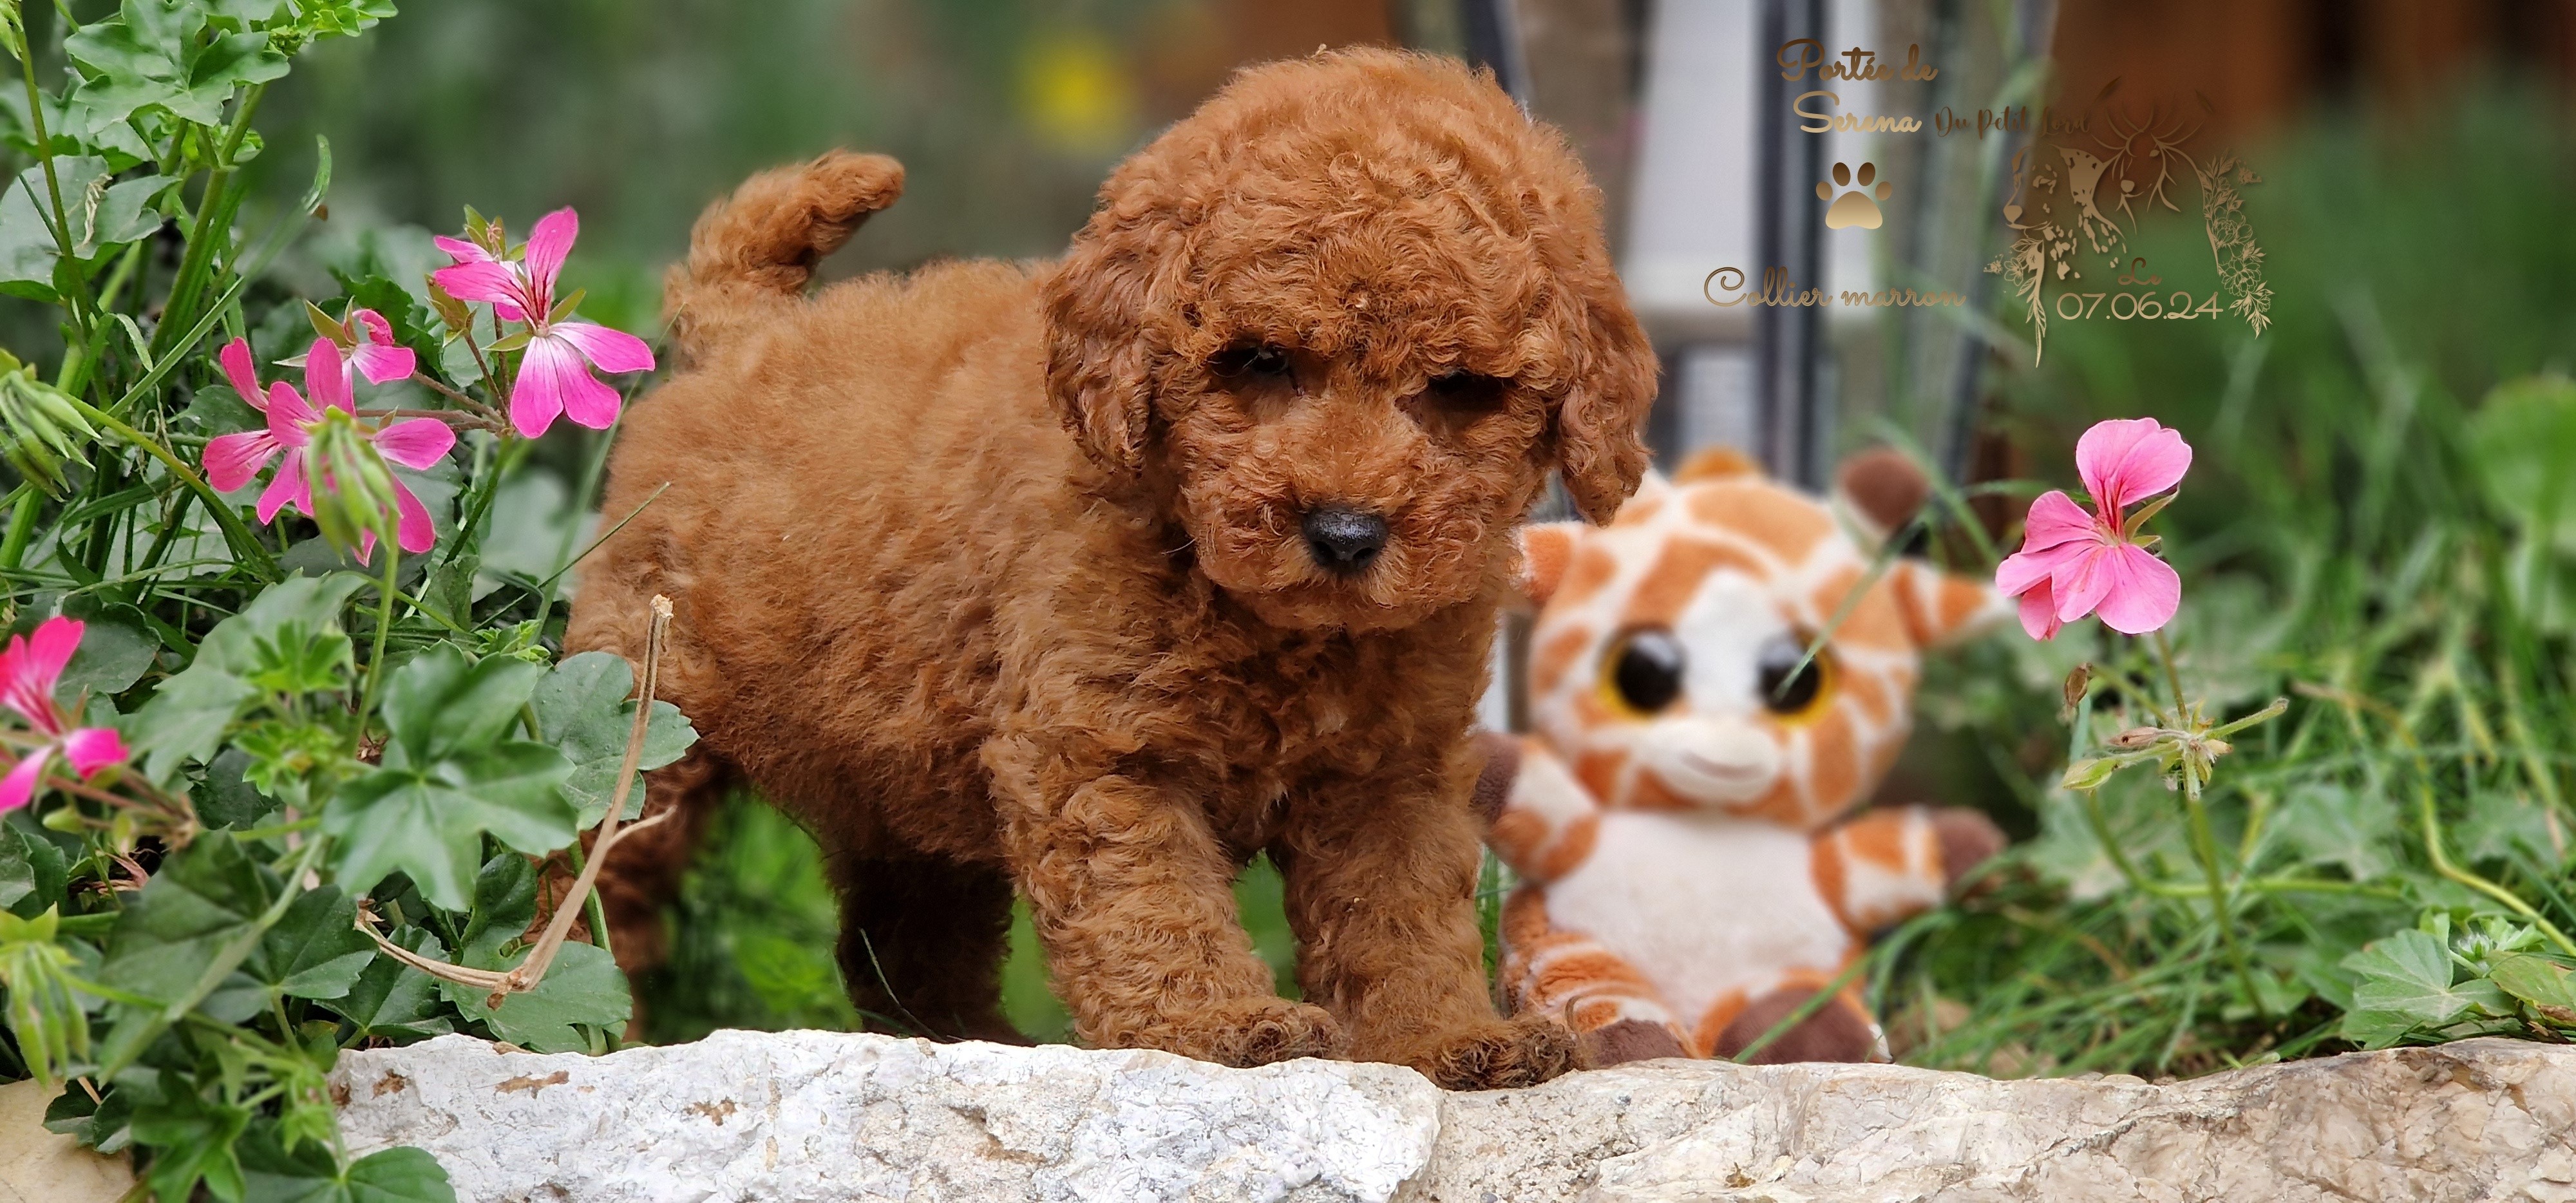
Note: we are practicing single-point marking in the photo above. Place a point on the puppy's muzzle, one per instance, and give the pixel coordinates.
(1345, 542)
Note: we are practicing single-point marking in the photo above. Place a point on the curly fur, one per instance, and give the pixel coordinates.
(986, 576)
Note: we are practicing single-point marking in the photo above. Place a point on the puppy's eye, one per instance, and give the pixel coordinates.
(1645, 670)
(1249, 363)
(1462, 389)
(1790, 684)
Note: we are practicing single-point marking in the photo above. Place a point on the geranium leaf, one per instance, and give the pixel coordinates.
(398, 1175)
(2549, 987)
(28, 249)
(583, 709)
(315, 950)
(392, 1000)
(441, 705)
(2405, 978)
(583, 986)
(200, 900)
(429, 820)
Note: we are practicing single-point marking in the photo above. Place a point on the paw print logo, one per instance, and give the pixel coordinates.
(1853, 208)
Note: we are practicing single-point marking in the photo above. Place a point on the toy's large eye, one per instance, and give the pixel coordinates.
(1645, 669)
(1788, 686)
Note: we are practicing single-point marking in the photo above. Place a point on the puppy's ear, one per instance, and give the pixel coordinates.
(1101, 304)
(1598, 452)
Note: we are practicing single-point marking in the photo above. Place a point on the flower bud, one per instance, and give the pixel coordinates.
(38, 422)
(353, 489)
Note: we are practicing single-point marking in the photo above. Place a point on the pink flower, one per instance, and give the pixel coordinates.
(29, 670)
(232, 460)
(377, 356)
(554, 373)
(2073, 563)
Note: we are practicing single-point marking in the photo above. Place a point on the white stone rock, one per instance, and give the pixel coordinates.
(37, 1166)
(825, 1117)
(818, 1116)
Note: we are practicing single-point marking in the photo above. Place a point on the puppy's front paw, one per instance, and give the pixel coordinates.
(1499, 1054)
(1250, 1032)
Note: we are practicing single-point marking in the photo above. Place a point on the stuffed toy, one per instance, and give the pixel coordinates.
(1677, 812)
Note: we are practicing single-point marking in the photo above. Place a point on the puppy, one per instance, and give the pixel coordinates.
(1094, 579)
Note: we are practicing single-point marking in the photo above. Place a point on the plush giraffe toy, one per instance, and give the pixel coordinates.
(1673, 816)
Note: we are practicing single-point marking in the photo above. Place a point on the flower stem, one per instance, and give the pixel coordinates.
(384, 627)
(2222, 900)
(2441, 858)
(244, 544)
(58, 221)
(2173, 677)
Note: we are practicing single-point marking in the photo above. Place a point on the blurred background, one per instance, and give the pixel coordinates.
(2415, 180)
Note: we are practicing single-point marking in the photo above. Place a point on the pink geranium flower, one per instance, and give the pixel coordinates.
(376, 355)
(2073, 563)
(29, 670)
(554, 373)
(232, 460)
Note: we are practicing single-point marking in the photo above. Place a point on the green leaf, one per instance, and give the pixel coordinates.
(2549, 987)
(2377, 1029)
(505, 903)
(185, 720)
(192, 1139)
(315, 950)
(17, 875)
(28, 249)
(117, 646)
(188, 715)
(228, 799)
(393, 1001)
(313, 603)
(429, 820)
(399, 1175)
(439, 705)
(583, 986)
(104, 1125)
(123, 215)
(583, 710)
(2326, 823)
(202, 898)
(24, 843)
(2404, 982)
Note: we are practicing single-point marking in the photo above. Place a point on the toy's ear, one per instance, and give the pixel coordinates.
(1944, 607)
(1546, 548)
(1882, 489)
(1715, 463)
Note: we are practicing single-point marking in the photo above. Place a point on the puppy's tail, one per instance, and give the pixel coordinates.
(757, 248)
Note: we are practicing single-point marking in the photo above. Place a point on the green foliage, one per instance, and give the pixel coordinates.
(344, 779)
(2376, 529)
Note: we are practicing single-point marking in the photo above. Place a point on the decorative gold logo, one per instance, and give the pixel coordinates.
(1854, 208)
(2093, 186)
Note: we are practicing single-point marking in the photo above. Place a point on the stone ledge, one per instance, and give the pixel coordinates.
(829, 1116)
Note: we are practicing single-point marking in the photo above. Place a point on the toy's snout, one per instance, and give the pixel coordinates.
(1712, 761)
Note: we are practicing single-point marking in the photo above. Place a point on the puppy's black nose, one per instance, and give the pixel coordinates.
(1344, 541)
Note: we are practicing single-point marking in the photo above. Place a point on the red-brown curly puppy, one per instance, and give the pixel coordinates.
(1095, 579)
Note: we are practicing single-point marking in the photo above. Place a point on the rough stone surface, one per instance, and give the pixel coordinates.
(824, 1117)
(37, 1166)
(820, 1116)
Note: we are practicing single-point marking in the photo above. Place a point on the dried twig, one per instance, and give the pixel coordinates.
(531, 970)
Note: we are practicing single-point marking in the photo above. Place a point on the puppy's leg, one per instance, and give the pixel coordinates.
(922, 943)
(1381, 891)
(1134, 901)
